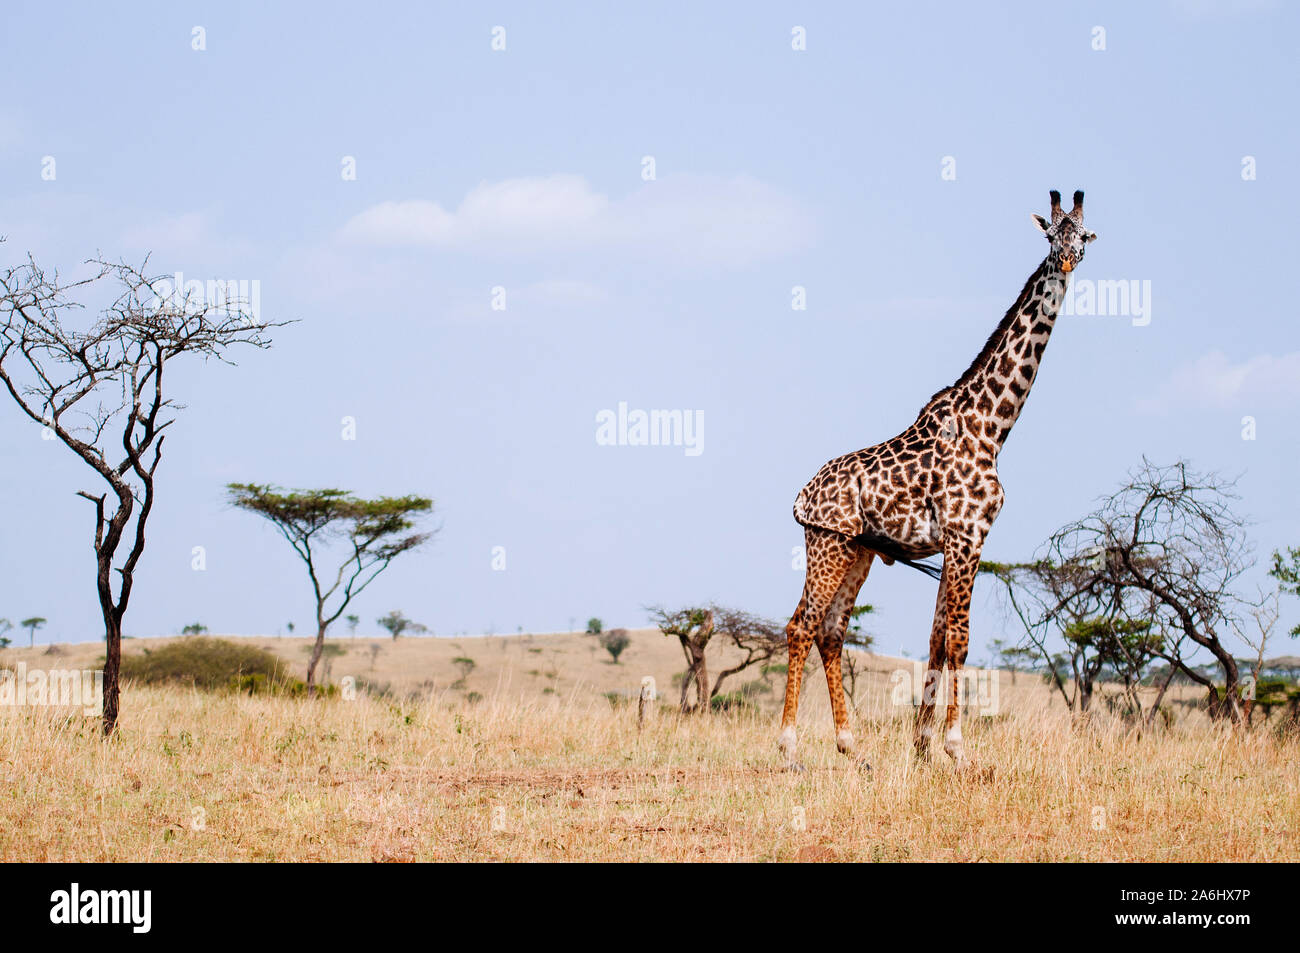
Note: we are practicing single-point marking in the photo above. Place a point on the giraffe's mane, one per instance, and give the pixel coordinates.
(995, 339)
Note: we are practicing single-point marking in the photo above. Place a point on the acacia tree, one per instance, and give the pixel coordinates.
(1169, 547)
(396, 624)
(760, 641)
(98, 387)
(1286, 570)
(1265, 614)
(1012, 656)
(31, 625)
(615, 642)
(693, 629)
(372, 533)
(1124, 646)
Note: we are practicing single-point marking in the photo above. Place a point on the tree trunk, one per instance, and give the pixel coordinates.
(112, 671)
(316, 651)
(1160, 697)
(698, 674)
(702, 696)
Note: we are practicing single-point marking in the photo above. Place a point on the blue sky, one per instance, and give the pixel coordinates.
(522, 169)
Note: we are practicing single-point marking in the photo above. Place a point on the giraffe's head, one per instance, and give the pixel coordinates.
(1066, 232)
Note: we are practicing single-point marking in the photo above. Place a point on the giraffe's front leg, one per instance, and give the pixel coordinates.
(962, 555)
(933, 671)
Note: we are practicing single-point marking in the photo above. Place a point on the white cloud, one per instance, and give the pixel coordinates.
(1213, 380)
(734, 220)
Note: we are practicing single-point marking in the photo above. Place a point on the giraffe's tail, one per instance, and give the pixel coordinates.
(891, 553)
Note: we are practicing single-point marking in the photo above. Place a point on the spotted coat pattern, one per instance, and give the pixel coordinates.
(931, 490)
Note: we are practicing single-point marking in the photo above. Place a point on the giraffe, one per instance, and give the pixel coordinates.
(931, 490)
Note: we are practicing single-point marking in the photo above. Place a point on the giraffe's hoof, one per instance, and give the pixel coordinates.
(862, 764)
(794, 766)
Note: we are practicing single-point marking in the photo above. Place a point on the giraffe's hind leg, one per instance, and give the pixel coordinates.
(830, 643)
(830, 556)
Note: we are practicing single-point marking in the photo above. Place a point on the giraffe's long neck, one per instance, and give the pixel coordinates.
(997, 382)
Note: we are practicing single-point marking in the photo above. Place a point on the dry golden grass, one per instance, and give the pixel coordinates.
(567, 776)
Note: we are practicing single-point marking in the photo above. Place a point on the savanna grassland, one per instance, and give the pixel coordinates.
(528, 759)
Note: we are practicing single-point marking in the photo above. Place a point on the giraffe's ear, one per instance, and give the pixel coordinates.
(1041, 222)
(1090, 237)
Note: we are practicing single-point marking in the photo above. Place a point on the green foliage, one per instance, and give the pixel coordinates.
(782, 668)
(595, 626)
(31, 625)
(194, 628)
(396, 623)
(372, 533)
(305, 513)
(259, 684)
(855, 636)
(1114, 639)
(466, 665)
(615, 642)
(730, 701)
(209, 664)
(1286, 570)
(742, 698)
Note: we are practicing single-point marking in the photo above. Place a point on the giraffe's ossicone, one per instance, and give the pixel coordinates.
(931, 490)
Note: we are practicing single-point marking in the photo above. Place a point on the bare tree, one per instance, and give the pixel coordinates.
(1265, 614)
(1169, 547)
(98, 387)
(760, 640)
